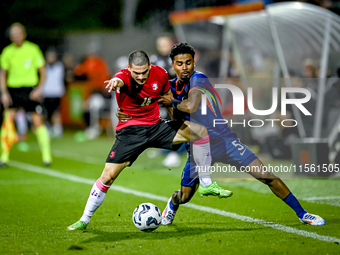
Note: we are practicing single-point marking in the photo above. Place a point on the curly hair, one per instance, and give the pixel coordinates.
(181, 48)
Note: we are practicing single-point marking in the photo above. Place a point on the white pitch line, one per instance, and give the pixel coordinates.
(75, 178)
(320, 198)
(98, 161)
(328, 200)
(78, 157)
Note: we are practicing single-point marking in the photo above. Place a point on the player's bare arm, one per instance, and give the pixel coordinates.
(189, 105)
(5, 97)
(114, 84)
(165, 101)
(36, 93)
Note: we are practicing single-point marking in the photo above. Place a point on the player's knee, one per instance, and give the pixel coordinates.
(185, 197)
(106, 179)
(111, 172)
(267, 178)
(181, 197)
(266, 181)
(37, 120)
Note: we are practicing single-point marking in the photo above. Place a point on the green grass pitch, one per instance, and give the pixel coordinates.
(37, 204)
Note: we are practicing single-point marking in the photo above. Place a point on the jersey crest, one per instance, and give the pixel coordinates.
(154, 86)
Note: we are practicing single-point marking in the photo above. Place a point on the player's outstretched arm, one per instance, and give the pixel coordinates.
(114, 84)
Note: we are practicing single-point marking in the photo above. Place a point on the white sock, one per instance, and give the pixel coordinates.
(21, 122)
(96, 198)
(202, 157)
(205, 181)
(58, 129)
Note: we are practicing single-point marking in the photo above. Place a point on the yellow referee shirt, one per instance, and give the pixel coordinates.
(22, 64)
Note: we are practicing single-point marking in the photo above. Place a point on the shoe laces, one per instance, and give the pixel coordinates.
(215, 186)
(171, 214)
(309, 217)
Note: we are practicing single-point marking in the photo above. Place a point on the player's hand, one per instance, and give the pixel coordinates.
(112, 85)
(165, 100)
(6, 99)
(35, 95)
(123, 117)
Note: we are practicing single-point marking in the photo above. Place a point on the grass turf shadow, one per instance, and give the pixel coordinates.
(173, 231)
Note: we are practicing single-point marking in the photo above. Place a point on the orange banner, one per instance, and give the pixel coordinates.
(205, 13)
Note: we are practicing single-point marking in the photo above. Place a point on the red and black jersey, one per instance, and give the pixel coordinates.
(140, 101)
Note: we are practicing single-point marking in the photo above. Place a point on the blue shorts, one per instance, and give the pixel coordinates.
(229, 150)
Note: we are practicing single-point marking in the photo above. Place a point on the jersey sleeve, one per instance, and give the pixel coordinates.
(124, 75)
(199, 80)
(4, 63)
(165, 88)
(39, 60)
(165, 80)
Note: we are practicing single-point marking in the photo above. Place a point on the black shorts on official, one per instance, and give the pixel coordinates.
(20, 99)
(131, 141)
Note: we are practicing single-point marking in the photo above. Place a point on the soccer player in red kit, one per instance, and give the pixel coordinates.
(138, 89)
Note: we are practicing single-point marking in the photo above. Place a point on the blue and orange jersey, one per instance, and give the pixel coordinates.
(199, 81)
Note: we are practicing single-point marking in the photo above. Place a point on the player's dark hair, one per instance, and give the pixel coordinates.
(138, 58)
(181, 48)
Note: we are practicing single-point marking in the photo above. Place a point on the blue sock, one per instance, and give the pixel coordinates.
(295, 205)
(172, 206)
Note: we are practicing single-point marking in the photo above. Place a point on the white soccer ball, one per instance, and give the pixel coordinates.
(147, 217)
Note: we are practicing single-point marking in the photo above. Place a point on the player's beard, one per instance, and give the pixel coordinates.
(138, 82)
(141, 82)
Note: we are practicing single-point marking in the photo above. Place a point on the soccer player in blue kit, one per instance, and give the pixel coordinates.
(187, 90)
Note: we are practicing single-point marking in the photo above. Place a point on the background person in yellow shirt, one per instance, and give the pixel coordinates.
(21, 86)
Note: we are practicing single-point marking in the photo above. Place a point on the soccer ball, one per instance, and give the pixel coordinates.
(147, 217)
